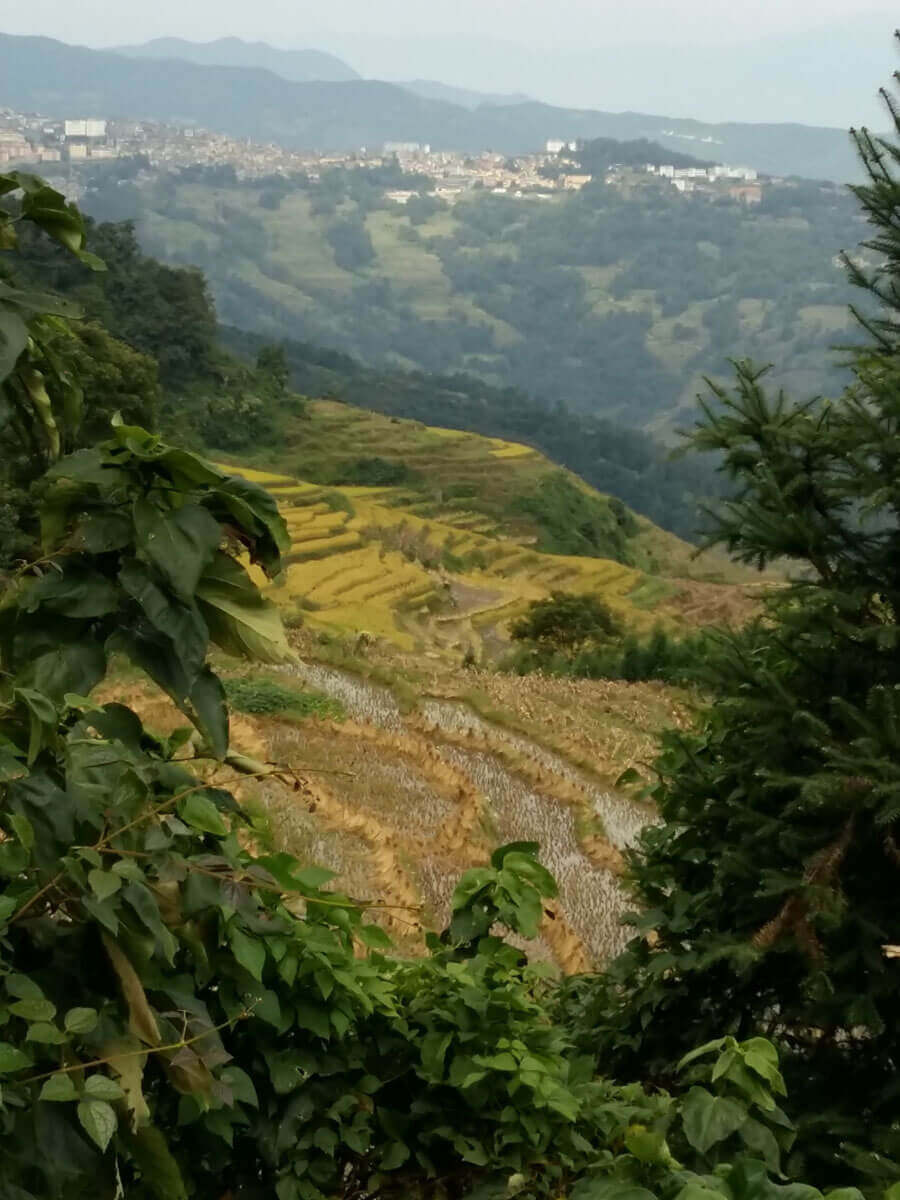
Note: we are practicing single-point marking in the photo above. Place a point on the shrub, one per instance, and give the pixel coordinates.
(263, 696)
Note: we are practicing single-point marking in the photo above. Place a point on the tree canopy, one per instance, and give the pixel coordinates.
(767, 891)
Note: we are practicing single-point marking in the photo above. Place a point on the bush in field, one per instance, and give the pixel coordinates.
(567, 622)
(264, 696)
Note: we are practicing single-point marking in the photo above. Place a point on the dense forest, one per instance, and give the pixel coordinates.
(614, 301)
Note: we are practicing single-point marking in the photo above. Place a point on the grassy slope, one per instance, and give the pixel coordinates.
(439, 573)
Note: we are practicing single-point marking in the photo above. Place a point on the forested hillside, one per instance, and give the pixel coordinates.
(227, 390)
(614, 301)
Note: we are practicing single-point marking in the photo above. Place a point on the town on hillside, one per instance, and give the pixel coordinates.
(61, 145)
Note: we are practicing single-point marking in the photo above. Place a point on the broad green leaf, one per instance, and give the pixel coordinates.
(42, 719)
(311, 877)
(470, 884)
(527, 848)
(394, 1156)
(23, 829)
(13, 340)
(98, 1121)
(45, 1034)
(761, 1140)
(59, 1087)
(700, 1051)
(529, 868)
(104, 883)
(33, 1010)
(374, 937)
(697, 1191)
(199, 812)
(181, 622)
(101, 1087)
(308, 1016)
(76, 592)
(249, 951)
(202, 699)
(605, 1188)
(648, 1146)
(80, 1020)
(434, 1051)
(762, 1057)
(503, 1061)
(709, 1119)
(12, 1059)
(240, 620)
(241, 1085)
(206, 707)
(178, 542)
(68, 667)
(23, 987)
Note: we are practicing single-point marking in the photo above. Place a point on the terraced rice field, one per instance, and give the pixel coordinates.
(363, 560)
(408, 802)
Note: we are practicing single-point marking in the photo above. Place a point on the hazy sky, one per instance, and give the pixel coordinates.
(563, 22)
(814, 61)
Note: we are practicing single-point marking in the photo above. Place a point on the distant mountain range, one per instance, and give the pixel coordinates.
(300, 66)
(53, 78)
(827, 75)
(463, 96)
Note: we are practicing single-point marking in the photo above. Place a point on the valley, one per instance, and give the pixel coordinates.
(616, 300)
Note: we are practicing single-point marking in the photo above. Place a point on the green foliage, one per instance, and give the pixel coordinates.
(769, 885)
(181, 1016)
(567, 621)
(373, 472)
(208, 397)
(260, 696)
(351, 244)
(661, 656)
(572, 521)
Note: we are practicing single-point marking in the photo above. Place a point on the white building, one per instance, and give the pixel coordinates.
(85, 129)
(555, 145)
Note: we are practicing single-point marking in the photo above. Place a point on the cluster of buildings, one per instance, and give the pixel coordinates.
(455, 173)
(740, 183)
(28, 139)
(32, 139)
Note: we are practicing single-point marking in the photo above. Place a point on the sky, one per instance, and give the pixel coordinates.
(559, 22)
(815, 61)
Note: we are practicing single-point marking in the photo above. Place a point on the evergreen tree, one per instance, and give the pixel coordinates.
(769, 889)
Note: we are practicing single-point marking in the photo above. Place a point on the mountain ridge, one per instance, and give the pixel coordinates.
(300, 66)
(41, 74)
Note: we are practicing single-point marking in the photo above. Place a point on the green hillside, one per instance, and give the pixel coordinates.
(486, 486)
(614, 301)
